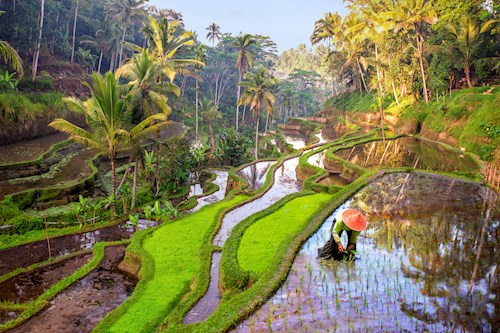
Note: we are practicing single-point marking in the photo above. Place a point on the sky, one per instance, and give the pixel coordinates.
(288, 23)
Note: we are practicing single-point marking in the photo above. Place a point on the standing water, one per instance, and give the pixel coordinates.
(285, 183)
(255, 174)
(428, 262)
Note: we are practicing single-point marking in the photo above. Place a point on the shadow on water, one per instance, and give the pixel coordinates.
(408, 152)
(80, 307)
(428, 262)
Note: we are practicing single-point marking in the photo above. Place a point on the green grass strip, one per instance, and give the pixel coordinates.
(171, 259)
(261, 240)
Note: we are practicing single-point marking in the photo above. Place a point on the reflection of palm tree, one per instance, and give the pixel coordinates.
(109, 118)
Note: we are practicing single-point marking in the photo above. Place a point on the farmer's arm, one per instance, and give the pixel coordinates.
(337, 228)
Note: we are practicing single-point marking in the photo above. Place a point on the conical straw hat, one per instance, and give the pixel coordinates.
(354, 219)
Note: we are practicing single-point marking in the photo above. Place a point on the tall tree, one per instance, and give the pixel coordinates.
(105, 41)
(213, 33)
(126, 12)
(258, 93)
(210, 113)
(414, 18)
(109, 117)
(167, 40)
(199, 55)
(466, 37)
(147, 88)
(39, 42)
(243, 61)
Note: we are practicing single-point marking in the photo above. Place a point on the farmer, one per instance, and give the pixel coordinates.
(352, 222)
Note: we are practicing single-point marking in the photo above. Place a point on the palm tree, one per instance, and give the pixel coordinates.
(326, 28)
(199, 55)
(77, 4)
(148, 92)
(213, 33)
(126, 12)
(105, 40)
(10, 56)
(244, 60)
(109, 117)
(413, 17)
(466, 35)
(167, 40)
(210, 113)
(256, 94)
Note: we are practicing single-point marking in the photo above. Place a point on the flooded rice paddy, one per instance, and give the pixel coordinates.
(255, 174)
(29, 150)
(428, 262)
(408, 152)
(285, 183)
(83, 305)
(295, 138)
(221, 182)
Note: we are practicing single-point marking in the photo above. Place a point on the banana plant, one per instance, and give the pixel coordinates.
(148, 210)
(134, 220)
(84, 204)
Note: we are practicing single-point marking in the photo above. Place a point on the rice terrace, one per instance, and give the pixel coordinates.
(170, 166)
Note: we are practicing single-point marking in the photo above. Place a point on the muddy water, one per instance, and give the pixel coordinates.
(80, 307)
(408, 152)
(317, 159)
(28, 150)
(320, 137)
(255, 174)
(67, 172)
(285, 183)
(28, 286)
(8, 315)
(32, 253)
(221, 181)
(426, 237)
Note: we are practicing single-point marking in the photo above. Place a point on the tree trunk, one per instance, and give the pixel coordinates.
(395, 93)
(121, 47)
(267, 122)
(257, 136)
(238, 99)
(100, 62)
(134, 186)
(74, 32)
(378, 72)
(113, 186)
(420, 51)
(467, 72)
(361, 74)
(244, 113)
(212, 139)
(196, 115)
(112, 61)
(38, 43)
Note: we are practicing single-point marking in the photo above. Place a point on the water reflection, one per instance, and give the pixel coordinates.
(221, 182)
(295, 138)
(408, 152)
(255, 174)
(426, 238)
